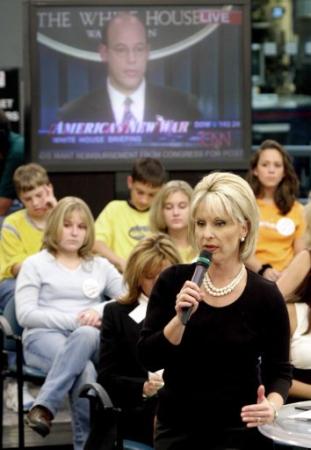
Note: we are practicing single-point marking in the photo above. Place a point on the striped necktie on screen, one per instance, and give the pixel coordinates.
(128, 116)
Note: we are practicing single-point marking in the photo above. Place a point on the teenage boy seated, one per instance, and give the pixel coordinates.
(123, 223)
(22, 231)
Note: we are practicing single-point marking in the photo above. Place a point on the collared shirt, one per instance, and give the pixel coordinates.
(117, 102)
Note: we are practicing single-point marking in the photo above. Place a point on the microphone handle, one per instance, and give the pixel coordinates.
(196, 278)
(186, 316)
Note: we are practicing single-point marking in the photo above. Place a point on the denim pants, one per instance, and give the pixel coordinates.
(68, 359)
(7, 292)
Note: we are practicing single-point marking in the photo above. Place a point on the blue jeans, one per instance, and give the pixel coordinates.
(7, 292)
(68, 359)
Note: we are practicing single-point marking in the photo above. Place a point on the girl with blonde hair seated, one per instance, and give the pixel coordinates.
(169, 214)
(59, 304)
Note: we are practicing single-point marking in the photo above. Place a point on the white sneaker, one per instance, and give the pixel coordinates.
(11, 399)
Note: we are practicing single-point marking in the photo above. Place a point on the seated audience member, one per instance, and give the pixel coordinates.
(281, 227)
(169, 214)
(129, 385)
(22, 231)
(295, 285)
(21, 236)
(123, 223)
(11, 156)
(58, 302)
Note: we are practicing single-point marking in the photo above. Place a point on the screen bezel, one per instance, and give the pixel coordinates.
(31, 81)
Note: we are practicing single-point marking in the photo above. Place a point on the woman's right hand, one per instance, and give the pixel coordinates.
(152, 386)
(89, 317)
(189, 297)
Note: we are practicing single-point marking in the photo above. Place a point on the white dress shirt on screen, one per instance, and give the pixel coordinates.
(117, 100)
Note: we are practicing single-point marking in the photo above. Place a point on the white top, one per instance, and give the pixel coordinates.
(301, 343)
(138, 314)
(117, 102)
(49, 295)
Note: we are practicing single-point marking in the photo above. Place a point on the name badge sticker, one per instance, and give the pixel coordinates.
(139, 313)
(90, 288)
(285, 226)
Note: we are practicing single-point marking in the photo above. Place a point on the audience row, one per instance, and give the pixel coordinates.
(61, 285)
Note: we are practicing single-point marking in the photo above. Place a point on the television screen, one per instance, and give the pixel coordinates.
(112, 82)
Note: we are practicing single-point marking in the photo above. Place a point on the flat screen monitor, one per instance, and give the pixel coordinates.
(113, 81)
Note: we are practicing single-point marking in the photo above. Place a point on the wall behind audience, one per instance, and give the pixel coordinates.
(97, 189)
(11, 25)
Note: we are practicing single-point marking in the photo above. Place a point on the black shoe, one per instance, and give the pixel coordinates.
(39, 419)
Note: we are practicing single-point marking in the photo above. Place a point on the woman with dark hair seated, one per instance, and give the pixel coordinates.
(281, 225)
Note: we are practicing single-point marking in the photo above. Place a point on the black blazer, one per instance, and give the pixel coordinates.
(161, 101)
(119, 369)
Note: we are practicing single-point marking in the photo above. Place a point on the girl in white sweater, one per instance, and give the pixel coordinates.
(59, 303)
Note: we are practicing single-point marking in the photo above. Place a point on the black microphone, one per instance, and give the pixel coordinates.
(203, 262)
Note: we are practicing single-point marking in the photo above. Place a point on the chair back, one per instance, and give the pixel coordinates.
(104, 434)
(10, 314)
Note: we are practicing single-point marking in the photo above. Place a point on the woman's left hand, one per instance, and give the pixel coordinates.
(271, 274)
(260, 413)
(90, 317)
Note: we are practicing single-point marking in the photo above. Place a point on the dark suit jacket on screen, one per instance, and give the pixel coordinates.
(160, 101)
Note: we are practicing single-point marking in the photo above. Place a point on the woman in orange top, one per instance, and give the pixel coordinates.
(281, 228)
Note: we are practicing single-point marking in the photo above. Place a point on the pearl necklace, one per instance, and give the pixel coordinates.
(218, 292)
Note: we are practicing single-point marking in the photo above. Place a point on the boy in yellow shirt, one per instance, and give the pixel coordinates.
(22, 231)
(123, 223)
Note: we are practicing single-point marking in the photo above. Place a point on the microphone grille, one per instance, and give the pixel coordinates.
(205, 258)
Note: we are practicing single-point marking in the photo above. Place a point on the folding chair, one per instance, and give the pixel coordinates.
(102, 409)
(11, 341)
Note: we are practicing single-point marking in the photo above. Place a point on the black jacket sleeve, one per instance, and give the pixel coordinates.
(119, 370)
(277, 370)
(155, 351)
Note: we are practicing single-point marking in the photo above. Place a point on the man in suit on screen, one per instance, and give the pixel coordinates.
(128, 96)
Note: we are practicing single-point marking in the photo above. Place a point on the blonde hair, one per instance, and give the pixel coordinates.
(148, 255)
(30, 176)
(227, 193)
(156, 217)
(54, 226)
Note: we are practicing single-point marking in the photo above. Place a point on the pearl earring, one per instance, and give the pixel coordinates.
(242, 239)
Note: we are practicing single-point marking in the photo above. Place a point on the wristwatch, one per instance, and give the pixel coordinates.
(275, 411)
